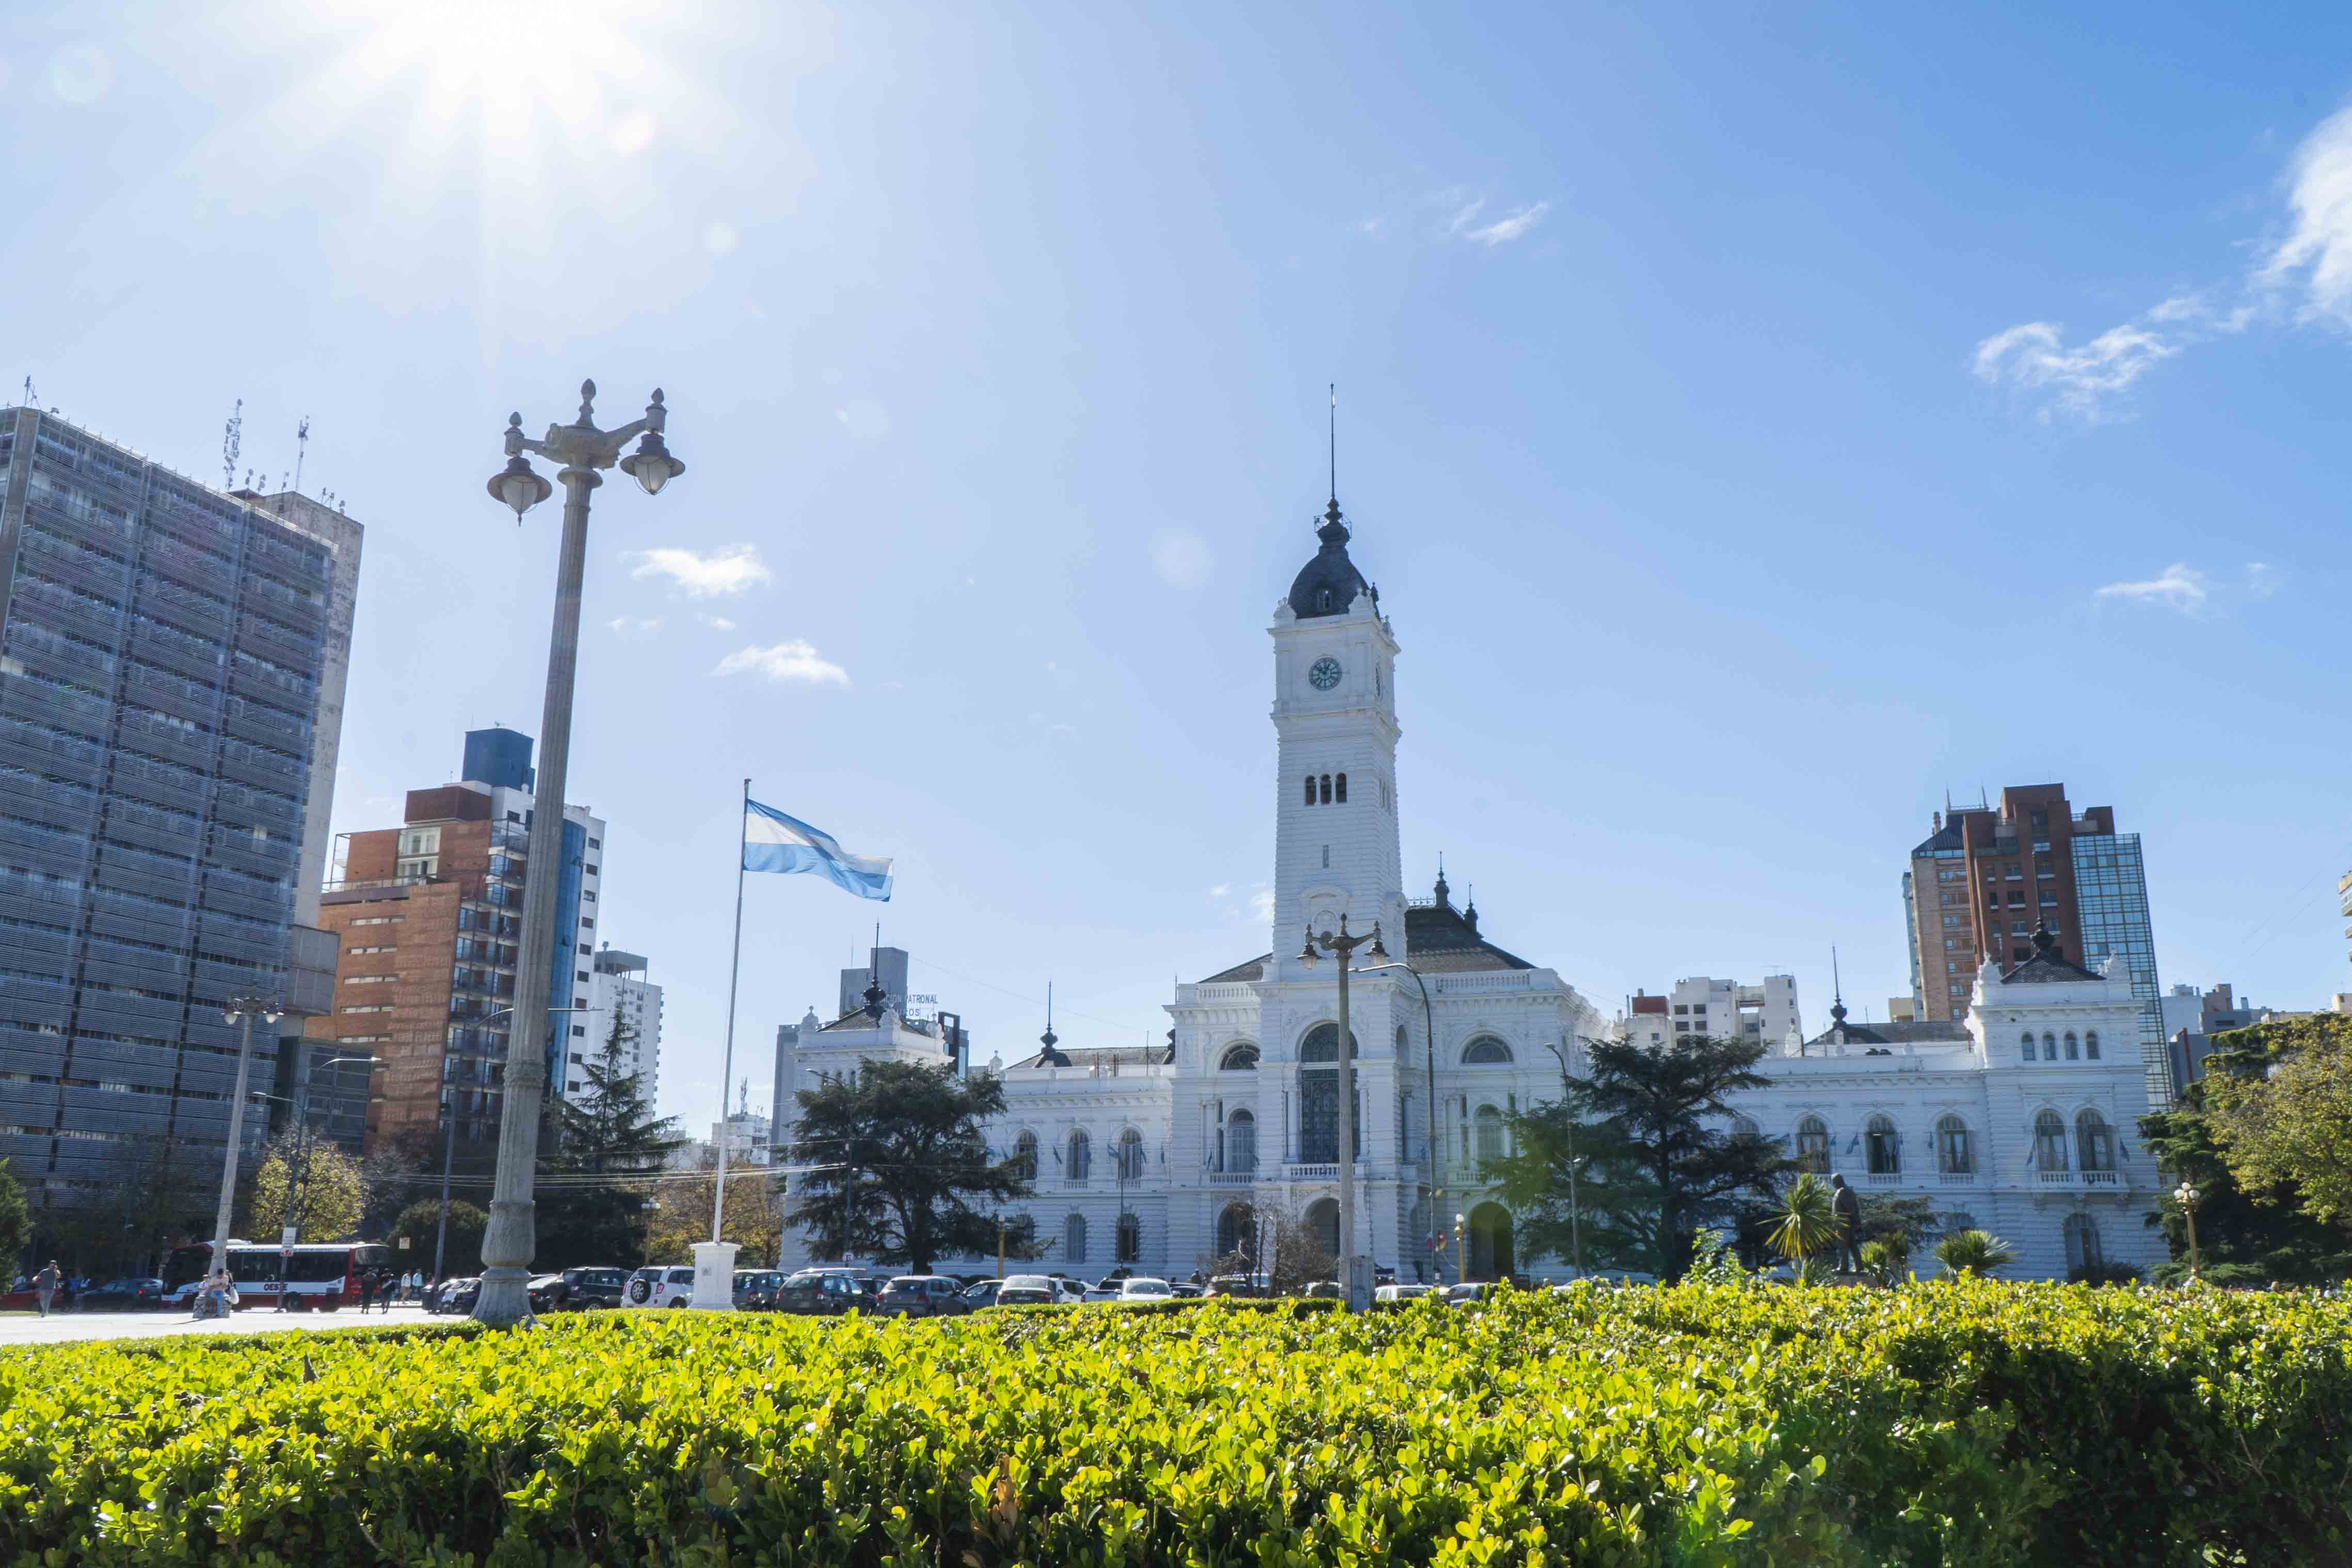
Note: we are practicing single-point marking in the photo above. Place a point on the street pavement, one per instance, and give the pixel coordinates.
(69, 1327)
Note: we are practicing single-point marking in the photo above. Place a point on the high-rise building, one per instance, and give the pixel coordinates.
(430, 913)
(1725, 1009)
(1987, 877)
(885, 966)
(617, 987)
(163, 654)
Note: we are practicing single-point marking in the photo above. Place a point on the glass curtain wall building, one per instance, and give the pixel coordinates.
(161, 649)
(2111, 903)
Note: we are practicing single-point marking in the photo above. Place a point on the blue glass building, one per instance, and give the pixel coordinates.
(161, 650)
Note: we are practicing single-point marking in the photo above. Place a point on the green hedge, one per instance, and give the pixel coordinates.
(1970, 1423)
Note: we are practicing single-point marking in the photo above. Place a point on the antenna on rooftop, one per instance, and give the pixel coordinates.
(28, 391)
(232, 441)
(301, 450)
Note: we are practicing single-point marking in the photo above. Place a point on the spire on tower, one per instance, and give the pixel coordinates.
(1335, 448)
(1837, 988)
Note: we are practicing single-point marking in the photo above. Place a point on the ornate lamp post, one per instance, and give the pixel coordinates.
(239, 1010)
(582, 448)
(1355, 1271)
(2188, 1197)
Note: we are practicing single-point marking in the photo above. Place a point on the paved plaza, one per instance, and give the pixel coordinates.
(69, 1327)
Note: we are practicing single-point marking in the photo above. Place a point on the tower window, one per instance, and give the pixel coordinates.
(1326, 857)
(1310, 789)
(1327, 789)
(1341, 795)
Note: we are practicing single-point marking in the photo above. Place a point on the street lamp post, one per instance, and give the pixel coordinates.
(1355, 1271)
(239, 1010)
(2188, 1197)
(582, 448)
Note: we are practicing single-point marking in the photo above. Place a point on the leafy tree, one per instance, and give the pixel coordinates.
(608, 1130)
(752, 1220)
(1299, 1258)
(1649, 1167)
(2290, 1123)
(310, 1183)
(461, 1250)
(903, 1173)
(1974, 1252)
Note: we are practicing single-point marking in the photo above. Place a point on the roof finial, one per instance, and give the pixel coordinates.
(1335, 446)
(1049, 1039)
(1837, 988)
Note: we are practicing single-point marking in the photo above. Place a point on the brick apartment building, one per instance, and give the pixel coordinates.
(430, 916)
(1979, 886)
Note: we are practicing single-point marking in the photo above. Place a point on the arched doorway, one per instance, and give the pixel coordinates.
(1323, 1224)
(1490, 1242)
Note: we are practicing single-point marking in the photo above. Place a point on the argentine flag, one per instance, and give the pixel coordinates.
(775, 842)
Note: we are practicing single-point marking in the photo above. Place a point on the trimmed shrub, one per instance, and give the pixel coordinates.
(1968, 1422)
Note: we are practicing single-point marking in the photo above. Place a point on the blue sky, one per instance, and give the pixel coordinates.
(1759, 424)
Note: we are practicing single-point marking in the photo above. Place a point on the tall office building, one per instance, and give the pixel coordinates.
(617, 985)
(430, 913)
(162, 650)
(1980, 885)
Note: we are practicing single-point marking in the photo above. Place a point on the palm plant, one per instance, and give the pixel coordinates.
(1974, 1252)
(1889, 1258)
(1808, 1225)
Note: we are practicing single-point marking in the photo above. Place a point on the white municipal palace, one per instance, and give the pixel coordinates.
(2024, 1122)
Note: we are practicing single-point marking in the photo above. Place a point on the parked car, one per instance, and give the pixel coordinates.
(755, 1289)
(1188, 1291)
(546, 1293)
(456, 1297)
(1471, 1294)
(1027, 1290)
(822, 1293)
(922, 1296)
(592, 1290)
(1142, 1288)
(1239, 1285)
(1399, 1293)
(660, 1287)
(981, 1293)
(137, 1295)
(1071, 1291)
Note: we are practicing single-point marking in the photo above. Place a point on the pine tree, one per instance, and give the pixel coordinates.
(608, 1130)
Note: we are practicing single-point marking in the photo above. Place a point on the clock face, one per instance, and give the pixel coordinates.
(1325, 675)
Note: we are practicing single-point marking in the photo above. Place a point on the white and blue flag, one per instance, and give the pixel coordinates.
(775, 842)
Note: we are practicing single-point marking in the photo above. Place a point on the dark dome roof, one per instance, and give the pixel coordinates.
(1329, 583)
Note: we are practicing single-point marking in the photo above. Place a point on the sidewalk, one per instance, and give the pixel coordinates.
(69, 1327)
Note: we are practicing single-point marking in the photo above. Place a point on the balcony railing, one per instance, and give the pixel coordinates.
(1882, 1178)
(1956, 1178)
(1232, 1178)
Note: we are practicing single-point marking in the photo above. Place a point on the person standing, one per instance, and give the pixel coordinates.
(45, 1286)
(1847, 1205)
(367, 1291)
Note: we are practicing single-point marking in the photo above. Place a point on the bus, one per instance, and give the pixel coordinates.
(312, 1275)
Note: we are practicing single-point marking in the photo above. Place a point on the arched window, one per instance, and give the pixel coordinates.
(2027, 1039)
(1340, 794)
(2091, 1044)
(1074, 1240)
(1310, 789)
(1130, 1240)
(1082, 1156)
(2049, 1046)
(1327, 789)
(1240, 1141)
(2082, 1250)
(1129, 1155)
(1240, 1058)
(2073, 1050)
(1813, 1146)
(1025, 1156)
(1403, 1040)
(2049, 1142)
(1882, 1147)
(1743, 1126)
(1486, 1051)
(1236, 1232)
(1322, 1044)
(1489, 1123)
(2094, 1142)
(1955, 1156)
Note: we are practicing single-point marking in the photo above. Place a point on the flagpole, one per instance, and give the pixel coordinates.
(734, 973)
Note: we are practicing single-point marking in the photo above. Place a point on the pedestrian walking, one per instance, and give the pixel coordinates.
(45, 1286)
(367, 1292)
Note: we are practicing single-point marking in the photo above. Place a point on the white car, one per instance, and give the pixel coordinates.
(659, 1286)
(1070, 1291)
(1140, 1288)
(1402, 1292)
(1470, 1295)
(1106, 1291)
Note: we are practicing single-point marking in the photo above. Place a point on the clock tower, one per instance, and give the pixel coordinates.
(1336, 845)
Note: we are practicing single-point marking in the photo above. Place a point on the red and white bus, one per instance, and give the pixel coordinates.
(312, 1275)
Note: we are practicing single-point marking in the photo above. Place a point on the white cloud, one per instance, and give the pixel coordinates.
(2318, 251)
(1219, 891)
(2177, 588)
(1508, 227)
(717, 623)
(1262, 904)
(2032, 358)
(728, 570)
(1465, 214)
(864, 419)
(2262, 579)
(1182, 560)
(785, 661)
(631, 627)
(632, 133)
